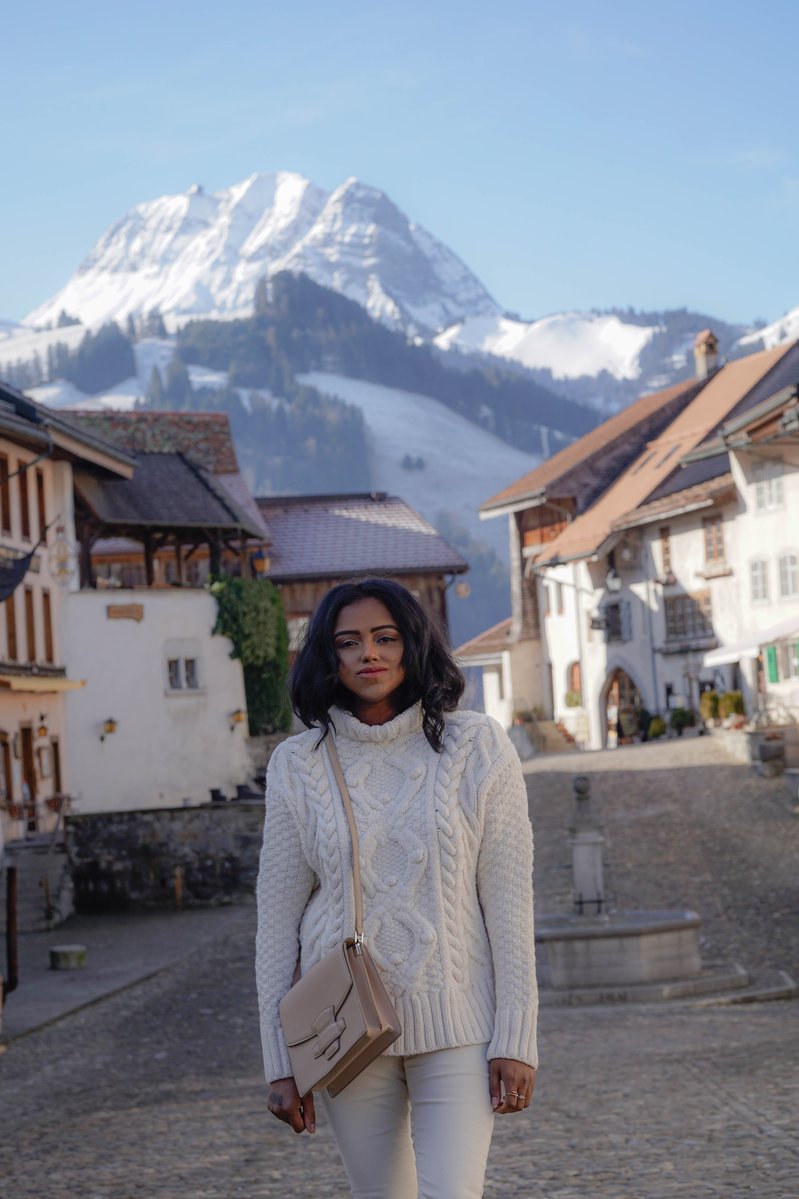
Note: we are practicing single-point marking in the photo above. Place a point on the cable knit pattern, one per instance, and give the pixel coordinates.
(446, 861)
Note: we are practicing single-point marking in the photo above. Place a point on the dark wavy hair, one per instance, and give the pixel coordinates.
(430, 671)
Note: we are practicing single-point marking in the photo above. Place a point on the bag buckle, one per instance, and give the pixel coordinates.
(359, 942)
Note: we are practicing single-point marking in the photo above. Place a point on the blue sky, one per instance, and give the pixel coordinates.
(576, 155)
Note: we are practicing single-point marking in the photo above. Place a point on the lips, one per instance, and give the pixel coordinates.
(372, 670)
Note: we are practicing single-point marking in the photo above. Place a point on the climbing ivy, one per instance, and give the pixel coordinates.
(250, 613)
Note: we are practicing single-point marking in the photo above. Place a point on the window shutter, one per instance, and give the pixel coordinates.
(626, 615)
(772, 668)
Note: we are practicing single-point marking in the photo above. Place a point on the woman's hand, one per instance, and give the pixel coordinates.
(286, 1104)
(511, 1084)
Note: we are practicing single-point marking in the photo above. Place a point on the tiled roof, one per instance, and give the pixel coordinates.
(203, 437)
(622, 425)
(722, 393)
(337, 536)
(167, 492)
(492, 641)
(699, 496)
(21, 413)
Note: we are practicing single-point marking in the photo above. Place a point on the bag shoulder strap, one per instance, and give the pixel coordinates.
(356, 865)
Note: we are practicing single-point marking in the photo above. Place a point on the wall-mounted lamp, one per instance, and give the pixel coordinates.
(42, 730)
(237, 717)
(613, 580)
(261, 562)
(109, 727)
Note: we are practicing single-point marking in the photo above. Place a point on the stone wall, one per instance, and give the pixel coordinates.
(165, 857)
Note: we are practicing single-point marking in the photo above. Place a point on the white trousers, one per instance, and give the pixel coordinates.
(417, 1126)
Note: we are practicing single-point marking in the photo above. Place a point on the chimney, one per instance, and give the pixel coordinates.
(706, 353)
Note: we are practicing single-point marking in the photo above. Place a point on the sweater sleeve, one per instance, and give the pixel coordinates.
(285, 881)
(505, 887)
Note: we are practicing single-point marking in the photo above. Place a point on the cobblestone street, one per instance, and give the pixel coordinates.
(158, 1090)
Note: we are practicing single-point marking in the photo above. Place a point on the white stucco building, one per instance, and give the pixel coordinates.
(657, 556)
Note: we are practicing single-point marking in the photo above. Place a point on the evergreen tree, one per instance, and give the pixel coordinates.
(130, 327)
(177, 387)
(155, 390)
(261, 299)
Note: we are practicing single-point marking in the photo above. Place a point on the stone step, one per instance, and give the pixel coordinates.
(44, 886)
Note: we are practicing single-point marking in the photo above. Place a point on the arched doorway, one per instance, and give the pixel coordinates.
(622, 705)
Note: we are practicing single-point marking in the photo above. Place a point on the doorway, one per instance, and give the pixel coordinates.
(622, 705)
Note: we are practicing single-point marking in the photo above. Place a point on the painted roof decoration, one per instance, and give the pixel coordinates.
(336, 536)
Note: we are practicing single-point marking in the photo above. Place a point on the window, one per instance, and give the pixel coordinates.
(714, 539)
(30, 624)
(5, 496)
(183, 665)
(768, 486)
(11, 629)
(789, 576)
(7, 775)
(559, 598)
(665, 549)
(688, 616)
(545, 595)
(618, 621)
(49, 655)
(24, 507)
(40, 502)
(788, 659)
(758, 578)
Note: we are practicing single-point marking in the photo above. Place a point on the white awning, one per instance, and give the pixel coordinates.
(749, 647)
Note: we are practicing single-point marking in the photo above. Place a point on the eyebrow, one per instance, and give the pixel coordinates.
(356, 632)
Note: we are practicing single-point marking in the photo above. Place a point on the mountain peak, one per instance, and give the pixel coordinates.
(196, 254)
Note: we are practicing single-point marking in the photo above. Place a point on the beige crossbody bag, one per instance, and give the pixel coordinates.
(338, 1018)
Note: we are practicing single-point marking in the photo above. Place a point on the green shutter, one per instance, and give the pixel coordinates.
(771, 664)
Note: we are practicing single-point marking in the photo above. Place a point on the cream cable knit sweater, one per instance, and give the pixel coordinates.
(446, 862)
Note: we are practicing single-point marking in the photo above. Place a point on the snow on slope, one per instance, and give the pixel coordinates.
(464, 464)
(784, 329)
(569, 344)
(204, 254)
(20, 344)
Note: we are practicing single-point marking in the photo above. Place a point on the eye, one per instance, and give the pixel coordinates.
(344, 644)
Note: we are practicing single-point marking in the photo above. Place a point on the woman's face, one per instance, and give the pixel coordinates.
(369, 648)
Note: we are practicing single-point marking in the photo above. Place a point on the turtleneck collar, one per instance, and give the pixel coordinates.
(408, 722)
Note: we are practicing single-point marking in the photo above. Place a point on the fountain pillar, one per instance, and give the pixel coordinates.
(587, 842)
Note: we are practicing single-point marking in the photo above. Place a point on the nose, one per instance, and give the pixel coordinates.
(369, 652)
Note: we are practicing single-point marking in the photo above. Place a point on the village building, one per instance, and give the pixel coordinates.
(161, 721)
(319, 540)
(39, 451)
(628, 573)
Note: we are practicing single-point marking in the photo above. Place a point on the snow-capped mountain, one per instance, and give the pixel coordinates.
(202, 255)
(568, 344)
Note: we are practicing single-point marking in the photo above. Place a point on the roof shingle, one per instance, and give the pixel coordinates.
(326, 536)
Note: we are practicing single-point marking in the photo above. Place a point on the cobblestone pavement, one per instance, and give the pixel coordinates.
(158, 1091)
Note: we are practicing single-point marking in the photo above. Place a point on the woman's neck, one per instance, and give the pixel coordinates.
(380, 712)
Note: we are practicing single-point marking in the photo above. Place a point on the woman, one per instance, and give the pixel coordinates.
(446, 858)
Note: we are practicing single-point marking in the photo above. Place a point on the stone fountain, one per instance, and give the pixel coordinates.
(595, 955)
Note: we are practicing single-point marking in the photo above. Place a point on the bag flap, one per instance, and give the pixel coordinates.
(325, 986)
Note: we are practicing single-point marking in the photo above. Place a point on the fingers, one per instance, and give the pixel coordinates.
(284, 1102)
(495, 1083)
(309, 1112)
(512, 1084)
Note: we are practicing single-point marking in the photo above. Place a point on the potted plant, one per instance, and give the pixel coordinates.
(657, 728)
(680, 720)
